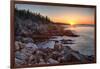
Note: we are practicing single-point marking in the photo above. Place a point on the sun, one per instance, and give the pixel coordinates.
(72, 23)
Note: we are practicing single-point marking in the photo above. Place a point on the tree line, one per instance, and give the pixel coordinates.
(26, 14)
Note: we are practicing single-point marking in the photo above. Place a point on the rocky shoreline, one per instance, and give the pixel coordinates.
(28, 53)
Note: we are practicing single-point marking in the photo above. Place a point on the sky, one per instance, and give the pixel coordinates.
(63, 14)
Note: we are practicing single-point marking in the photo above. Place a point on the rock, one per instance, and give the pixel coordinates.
(91, 58)
(27, 40)
(32, 59)
(52, 61)
(58, 46)
(76, 55)
(73, 56)
(27, 51)
(19, 62)
(21, 55)
(38, 52)
(42, 61)
(19, 45)
(24, 32)
(57, 55)
(31, 46)
(55, 52)
(67, 50)
(18, 38)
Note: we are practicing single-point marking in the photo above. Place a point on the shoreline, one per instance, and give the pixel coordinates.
(53, 56)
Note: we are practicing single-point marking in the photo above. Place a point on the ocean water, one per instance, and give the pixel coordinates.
(84, 43)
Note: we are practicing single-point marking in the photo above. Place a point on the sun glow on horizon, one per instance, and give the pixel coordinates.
(72, 23)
